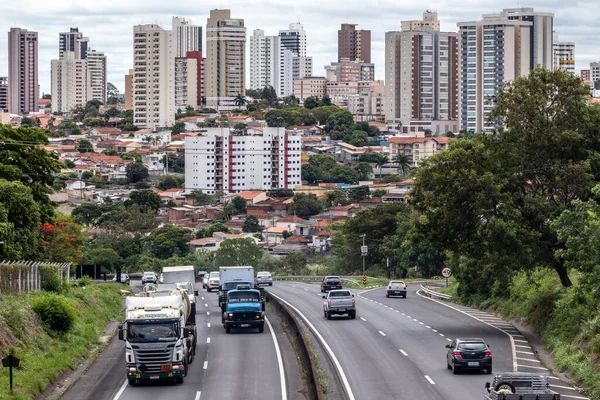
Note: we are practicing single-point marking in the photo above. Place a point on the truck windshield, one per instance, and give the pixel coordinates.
(234, 284)
(153, 332)
(244, 298)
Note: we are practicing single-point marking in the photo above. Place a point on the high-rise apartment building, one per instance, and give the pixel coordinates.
(70, 83)
(564, 55)
(188, 80)
(97, 70)
(594, 71)
(129, 90)
(585, 74)
(421, 72)
(264, 52)
(293, 62)
(74, 42)
(153, 77)
(224, 68)
(354, 44)
(3, 94)
(220, 159)
(350, 71)
(310, 86)
(495, 50)
(23, 84)
(187, 36)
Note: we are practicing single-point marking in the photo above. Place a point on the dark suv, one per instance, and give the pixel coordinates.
(473, 354)
(331, 283)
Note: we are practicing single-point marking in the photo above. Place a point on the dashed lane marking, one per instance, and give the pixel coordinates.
(363, 319)
(205, 366)
(207, 340)
(382, 334)
(403, 353)
(197, 396)
(429, 379)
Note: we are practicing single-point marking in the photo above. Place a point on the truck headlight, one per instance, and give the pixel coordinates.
(132, 369)
(175, 367)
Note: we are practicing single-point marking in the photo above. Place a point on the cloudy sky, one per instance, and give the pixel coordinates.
(109, 23)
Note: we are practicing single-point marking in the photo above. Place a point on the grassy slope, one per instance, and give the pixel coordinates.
(44, 355)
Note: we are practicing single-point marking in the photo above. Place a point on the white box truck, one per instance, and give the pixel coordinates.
(182, 278)
(231, 277)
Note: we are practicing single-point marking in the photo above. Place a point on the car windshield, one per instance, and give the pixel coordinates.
(234, 284)
(148, 273)
(339, 294)
(214, 275)
(332, 278)
(263, 274)
(153, 332)
(396, 283)
(244, 297)
(472, 346)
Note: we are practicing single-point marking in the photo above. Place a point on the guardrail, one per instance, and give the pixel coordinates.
(433, 293)
(311, 278)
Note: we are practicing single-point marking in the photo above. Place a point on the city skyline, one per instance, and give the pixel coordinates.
(111, 28)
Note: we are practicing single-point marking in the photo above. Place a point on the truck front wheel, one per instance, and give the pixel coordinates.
(261, 328)
(227, 329)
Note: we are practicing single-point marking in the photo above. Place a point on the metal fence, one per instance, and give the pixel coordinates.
(432, 293)
(25, 276)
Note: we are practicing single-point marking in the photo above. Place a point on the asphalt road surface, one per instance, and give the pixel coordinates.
(244, 364)
(395, 348)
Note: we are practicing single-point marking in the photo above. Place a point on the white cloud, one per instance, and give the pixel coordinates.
(109, 24)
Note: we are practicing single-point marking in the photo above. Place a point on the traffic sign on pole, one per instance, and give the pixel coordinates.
(364, 250)
(446, 272)
(10, 361)
(364, 280)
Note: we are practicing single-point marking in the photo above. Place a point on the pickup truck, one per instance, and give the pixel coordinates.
(339, 302)
(520, 386)
(243, 309)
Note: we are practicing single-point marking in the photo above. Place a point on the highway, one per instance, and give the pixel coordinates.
(226, 367)
(395, 349)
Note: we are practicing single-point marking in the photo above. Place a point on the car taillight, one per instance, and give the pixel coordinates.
(404, 287)
(328, 303)
(457, 354)
(488, 353)
(269, 276)
(352, 302)
(339, 283)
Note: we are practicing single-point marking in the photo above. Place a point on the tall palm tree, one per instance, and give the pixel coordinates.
(381, 161)
(404, 162)
(239, 100)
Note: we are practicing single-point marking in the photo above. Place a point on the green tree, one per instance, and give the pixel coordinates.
(339, 124)
(239, 204)
(269, 94)
(381, 161)
(359, 193)
(87, 213)
(306, 205)
(200, 198)
(311, 102)
(87, 175)
(170, 182)
(85, 146)
(144, 198)
(69, 164)
(364, 171)
(136, 172)
(238, 252)
(357, 138)
(370, 157)
(177, 128)
(321, 166)
(378, 193)
(239, 100)
(168, 241)
(129, 217)
(251, 225)
(343, 174)
(404, 162)
(286, 234)
(296, 262)
(326, 101)
(107, 258)
(390, 179)
(280, 193)
(323, 113)
(364, 126)
(217, 226)
(336, 198)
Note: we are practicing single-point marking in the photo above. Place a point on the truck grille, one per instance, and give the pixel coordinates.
(245, 316)
(149, 360)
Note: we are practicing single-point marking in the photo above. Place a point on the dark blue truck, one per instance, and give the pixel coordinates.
(243, 308)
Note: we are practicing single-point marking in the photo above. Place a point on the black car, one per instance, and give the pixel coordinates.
(469, 354)
(331, 283)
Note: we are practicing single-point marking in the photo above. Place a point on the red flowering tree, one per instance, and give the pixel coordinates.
(63, 240)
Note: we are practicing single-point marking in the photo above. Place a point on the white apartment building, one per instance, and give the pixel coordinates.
(219, 159)
(73, 41)
(340, 92)
(97, 69)
(495, 50)
(421, 72)
(293, 62)
(264, 51)
(187, 82)
(153, 77)
(366, 103)
(564, 55)
(187, 36)
(350, 70)
(310, 86)
(70, 83)
(224, 68)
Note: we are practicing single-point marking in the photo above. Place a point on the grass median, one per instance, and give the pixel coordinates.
(45, 352)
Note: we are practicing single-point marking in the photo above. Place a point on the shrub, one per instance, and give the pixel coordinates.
(50, 280)
(84, 281)
(54, 311)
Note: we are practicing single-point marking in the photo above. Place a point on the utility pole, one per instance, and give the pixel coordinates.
(363, 251)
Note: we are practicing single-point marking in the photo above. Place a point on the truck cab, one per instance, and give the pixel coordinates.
(243, 308)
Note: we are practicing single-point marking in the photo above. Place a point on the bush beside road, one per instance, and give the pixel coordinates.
(44, 350)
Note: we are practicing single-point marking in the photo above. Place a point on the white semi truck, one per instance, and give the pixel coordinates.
(160, 337)
(182, 278)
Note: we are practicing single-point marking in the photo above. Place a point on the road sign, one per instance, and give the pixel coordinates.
(10, 361)
(364, 250)
(446, 272)
(364, 279)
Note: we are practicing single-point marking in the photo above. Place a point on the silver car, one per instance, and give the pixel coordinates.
(213, 281)
(264, 278)
(339, 302)
(396, 288)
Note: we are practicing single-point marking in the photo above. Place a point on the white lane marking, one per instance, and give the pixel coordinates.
(435, 330)
(121, 390)
(520, 341)
(207, 340)
(420, 323)
(208, 325)
(208, 313)
(205, 305)
(525, 352)
(408, 316)
(531, 366)
(416, 320)
(525, 347)
(528, 359)
(403, 314)
(382, 334)
(397, 311)
(429, 379)
(448, 339)
(441, 334)
(197, 396)
(205, 366)
(403, 353)
(347, 387)
(203, 298)
(517, 335)
(512, 340)
(427, 326)
(279, 361)
(363, 319)
(306, 290)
